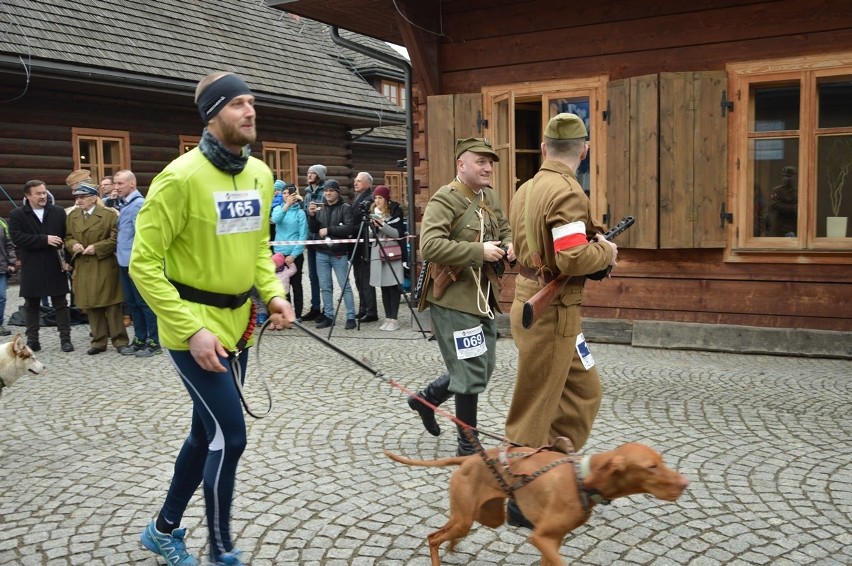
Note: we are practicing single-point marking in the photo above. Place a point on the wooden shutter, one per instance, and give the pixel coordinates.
(632, 152)
(693, 150)
(450, 117)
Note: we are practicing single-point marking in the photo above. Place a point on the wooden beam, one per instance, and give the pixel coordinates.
(422, 46)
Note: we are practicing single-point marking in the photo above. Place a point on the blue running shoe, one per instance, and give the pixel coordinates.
(228, 559)
(170, 547)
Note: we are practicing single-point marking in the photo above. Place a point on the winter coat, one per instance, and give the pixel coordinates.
(290, 225)
(41, 264)
(7, 249)
(382, 272)
(95, 278)
(340, 223)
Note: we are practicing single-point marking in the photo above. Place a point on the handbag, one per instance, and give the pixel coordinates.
(390, 252)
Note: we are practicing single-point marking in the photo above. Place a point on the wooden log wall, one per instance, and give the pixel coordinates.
(35, 135)
(697, 286)
(543, 40)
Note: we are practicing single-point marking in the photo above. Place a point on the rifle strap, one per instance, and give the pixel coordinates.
(532, 243)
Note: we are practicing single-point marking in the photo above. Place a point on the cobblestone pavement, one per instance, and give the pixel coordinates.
(87, 450)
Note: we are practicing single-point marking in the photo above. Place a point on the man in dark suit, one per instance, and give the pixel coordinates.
(38, 230)
(368, 311)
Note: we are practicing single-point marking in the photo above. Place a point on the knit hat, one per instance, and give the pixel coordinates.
(278, 259)
(278, 185)
(331, 184)
(382, 191)
(320, 171)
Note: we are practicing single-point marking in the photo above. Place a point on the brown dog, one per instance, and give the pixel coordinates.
(553, 500)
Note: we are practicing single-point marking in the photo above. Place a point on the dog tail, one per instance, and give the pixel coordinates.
(441, 463)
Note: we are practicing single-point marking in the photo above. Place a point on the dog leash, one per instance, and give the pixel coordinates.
(395, 384)
(236, 369)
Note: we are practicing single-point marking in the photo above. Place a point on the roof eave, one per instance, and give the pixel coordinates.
(100, 77)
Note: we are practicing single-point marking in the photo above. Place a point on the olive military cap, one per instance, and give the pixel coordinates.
(476, 145)
(565, 126)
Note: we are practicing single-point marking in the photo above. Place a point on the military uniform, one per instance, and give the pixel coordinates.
(456, 222)
(95, 280)
(469, 292)
(555, 394)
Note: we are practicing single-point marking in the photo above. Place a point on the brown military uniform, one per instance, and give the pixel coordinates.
(95, 282)
(554, 394)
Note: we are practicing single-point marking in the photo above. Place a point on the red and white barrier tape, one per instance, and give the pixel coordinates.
(325, 242)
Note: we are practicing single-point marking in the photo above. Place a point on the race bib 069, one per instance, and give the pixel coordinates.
(470, 343)
(238, 211)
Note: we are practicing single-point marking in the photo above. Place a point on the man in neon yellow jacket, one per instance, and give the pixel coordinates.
(202, 242)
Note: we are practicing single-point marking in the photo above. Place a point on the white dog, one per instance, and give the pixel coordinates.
(16, 360)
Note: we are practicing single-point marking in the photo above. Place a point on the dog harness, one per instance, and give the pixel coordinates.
(582, 470)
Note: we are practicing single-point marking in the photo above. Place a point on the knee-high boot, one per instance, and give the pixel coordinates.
(32, 320)
(436, 393)
(466, 405)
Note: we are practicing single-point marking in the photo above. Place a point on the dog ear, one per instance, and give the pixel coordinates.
(617, 463)
(18, 344)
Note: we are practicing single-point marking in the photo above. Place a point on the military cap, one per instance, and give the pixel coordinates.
(476, 145)
(78, 176)
(565, 126)
(788, 170)
(85, 190)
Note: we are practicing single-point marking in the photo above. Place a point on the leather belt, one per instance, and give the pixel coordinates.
(530, 273)
(210, 298)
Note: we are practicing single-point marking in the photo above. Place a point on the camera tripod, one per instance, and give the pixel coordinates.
(364, 229)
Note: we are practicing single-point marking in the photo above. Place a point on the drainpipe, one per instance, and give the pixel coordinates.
(409, 137)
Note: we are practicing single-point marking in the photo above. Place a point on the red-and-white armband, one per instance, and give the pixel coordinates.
(568, 236)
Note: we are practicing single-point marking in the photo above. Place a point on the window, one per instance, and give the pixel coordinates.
(394, 91)
(397, 182)
(281, 158)
(188, 143)
(793, 153)
(103, 152)
(518, 115)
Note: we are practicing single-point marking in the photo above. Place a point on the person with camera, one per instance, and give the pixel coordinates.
(333, 221)
(464, 230)
(361, 204)
(314, 193)
(386, 254)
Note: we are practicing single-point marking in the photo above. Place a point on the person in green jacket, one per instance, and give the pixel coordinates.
(202, 243)
(465, 229)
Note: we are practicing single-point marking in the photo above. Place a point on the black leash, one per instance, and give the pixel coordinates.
(364, 365)
(236, 371)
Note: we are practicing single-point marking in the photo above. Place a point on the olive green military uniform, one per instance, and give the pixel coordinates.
(465, 303)
(555, 395)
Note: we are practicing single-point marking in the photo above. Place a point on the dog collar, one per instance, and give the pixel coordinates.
(585, 467)
(589, 496)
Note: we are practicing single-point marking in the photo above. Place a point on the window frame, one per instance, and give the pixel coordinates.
(399, 99)
(396, 182)
(502, 135)
(292, 160)
(187, 143)
(98, 135)
(744, 77)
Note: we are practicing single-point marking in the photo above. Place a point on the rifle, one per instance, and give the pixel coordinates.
(536, 304)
